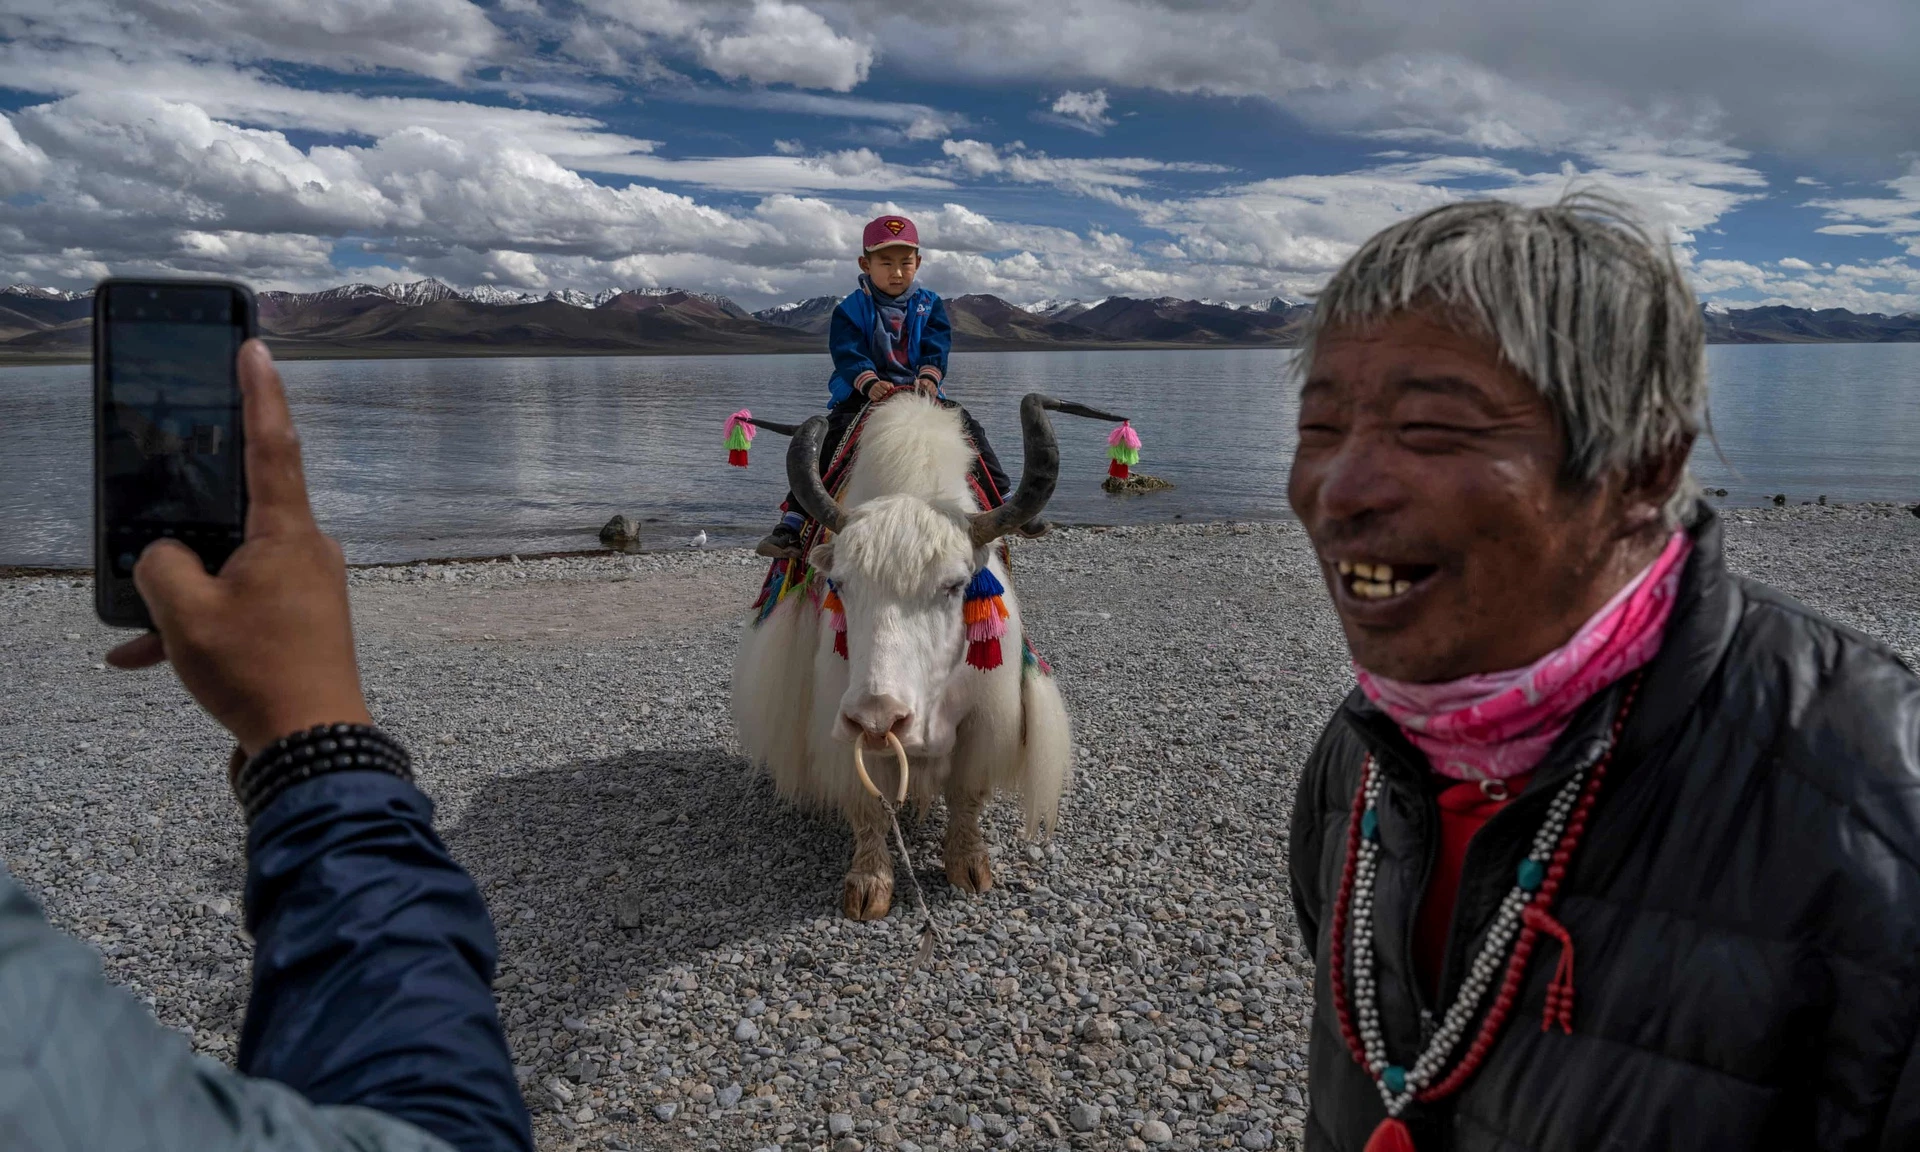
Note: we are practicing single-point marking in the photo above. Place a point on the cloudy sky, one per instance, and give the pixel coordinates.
(1047, 148)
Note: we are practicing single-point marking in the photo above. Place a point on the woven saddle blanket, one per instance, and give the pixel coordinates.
(797, 576)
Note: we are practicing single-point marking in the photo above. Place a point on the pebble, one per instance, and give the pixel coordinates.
(1138, 973)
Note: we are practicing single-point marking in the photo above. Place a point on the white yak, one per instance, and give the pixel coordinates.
(906, 540)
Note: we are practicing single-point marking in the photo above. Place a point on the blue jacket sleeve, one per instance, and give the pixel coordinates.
(937, 340)
(852, 364)
(84, 1067)
(373, 964)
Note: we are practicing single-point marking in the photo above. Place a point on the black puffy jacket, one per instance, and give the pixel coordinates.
(1744, 905)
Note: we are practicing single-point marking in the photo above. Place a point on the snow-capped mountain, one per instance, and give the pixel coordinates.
(811, 315)
(421, 292)
(1063, 309)
(35, 292)
(489, 294)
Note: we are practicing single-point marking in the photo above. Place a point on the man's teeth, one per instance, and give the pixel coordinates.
(1372, 581)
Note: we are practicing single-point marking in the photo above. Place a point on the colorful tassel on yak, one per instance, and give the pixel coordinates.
(836, 619)
(985, 613)
(1123, 449)
(739, 434)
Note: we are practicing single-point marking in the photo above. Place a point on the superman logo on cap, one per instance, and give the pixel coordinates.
(895, 224)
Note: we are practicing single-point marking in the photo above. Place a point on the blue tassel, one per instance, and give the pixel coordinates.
(985, 584)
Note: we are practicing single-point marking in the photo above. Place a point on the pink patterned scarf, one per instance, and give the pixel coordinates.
(1497, 725)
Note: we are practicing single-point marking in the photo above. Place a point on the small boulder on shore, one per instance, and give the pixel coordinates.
(1138, 482)
(620, 532)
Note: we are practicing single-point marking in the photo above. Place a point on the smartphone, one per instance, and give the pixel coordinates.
(168, 456)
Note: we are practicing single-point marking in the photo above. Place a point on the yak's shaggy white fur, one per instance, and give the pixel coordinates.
(975, 732)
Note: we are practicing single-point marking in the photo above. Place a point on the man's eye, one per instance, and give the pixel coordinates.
(1430, 435)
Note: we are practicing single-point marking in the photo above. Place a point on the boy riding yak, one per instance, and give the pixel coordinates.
(888, 336)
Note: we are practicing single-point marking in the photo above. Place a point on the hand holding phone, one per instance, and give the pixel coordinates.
(265, 646)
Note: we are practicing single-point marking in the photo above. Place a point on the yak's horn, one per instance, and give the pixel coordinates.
(803, 475)
(1040, 473)
(769, 425)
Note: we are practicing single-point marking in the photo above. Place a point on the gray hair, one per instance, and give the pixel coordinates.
(1580, 300)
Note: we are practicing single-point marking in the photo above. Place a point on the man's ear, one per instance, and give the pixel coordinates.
(1646, 490)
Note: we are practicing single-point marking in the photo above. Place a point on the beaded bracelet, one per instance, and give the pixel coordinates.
(317, 751)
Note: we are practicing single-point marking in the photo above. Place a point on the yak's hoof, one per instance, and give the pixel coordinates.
(970, 870)
(867, 896)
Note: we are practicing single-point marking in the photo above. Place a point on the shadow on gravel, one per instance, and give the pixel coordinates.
(712, 857)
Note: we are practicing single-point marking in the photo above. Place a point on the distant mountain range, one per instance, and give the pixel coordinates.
(429, 318)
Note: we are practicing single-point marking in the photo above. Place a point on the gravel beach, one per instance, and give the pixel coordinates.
(674, 971)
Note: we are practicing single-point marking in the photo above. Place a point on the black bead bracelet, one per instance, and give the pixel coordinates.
(315, 752)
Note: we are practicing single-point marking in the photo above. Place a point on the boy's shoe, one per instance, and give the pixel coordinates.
(783, 543)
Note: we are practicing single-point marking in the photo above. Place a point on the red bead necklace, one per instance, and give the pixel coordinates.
(1524, 916)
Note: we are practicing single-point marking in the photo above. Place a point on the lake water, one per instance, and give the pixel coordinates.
(411, 459)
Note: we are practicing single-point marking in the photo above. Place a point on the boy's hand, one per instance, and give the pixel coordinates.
(926, 387)
(266, 647)
(879, 390)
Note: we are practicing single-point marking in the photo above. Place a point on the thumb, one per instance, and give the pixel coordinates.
(173, 581)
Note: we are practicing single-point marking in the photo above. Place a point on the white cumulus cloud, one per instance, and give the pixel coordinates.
(1084, 110)
(788, 43)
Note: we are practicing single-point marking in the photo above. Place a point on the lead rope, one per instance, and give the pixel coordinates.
(929, 932)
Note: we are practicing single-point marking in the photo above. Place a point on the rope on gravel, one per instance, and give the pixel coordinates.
(929, 932)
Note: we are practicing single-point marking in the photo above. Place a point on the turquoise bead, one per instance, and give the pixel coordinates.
(1370, 825)
(1395, 1078)
(1532, 873)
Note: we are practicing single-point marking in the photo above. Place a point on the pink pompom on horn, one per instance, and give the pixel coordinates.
(743, 418)
(1123, 436)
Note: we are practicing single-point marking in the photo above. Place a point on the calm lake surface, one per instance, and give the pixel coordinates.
(413, 459)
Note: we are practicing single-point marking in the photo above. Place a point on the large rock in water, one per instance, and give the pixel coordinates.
(1138, 482)
(620, 532)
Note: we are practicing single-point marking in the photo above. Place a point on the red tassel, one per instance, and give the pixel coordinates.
(737, 457)
(840, 645)
(1390, 1136)
(984, 654)
(1559, 1006)
(1117, 470)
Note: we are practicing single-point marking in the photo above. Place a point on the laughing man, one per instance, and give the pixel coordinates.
(1610, 848)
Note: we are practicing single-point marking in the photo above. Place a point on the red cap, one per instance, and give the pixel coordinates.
(888, 231)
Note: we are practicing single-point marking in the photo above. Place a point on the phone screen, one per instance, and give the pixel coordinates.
(169, 453)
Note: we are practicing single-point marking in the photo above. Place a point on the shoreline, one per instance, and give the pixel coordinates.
(36, 571)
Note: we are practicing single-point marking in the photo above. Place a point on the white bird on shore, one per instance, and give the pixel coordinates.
(699, 540)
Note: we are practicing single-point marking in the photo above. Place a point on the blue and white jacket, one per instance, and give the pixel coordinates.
(859, 345)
